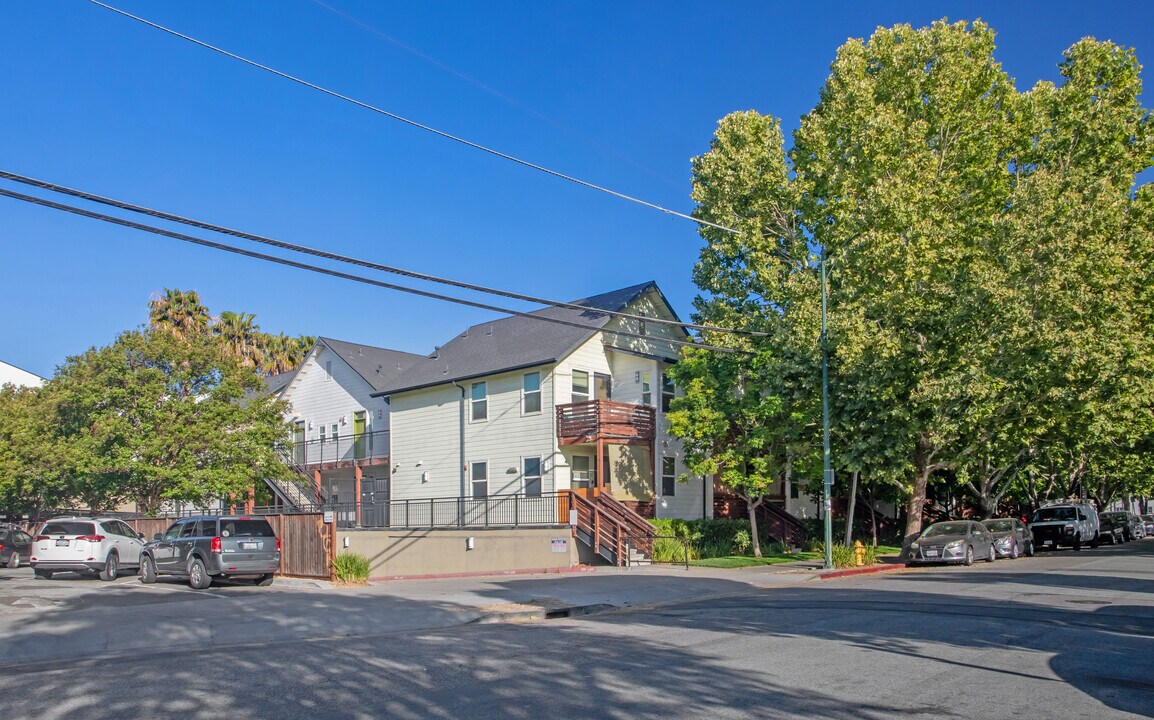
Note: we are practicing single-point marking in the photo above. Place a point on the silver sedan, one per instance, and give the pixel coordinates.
(954, 541)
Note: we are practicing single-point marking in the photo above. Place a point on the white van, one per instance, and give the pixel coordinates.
(1069, 523)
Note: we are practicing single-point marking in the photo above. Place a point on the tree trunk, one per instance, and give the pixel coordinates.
(754, 539)
(872, 496)
(850, 508)
(915, 505)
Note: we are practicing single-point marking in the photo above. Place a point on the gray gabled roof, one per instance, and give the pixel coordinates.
(379, 367)
(515, 342)
(275, 384)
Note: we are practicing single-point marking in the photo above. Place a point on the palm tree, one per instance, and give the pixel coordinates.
(278, 354)
(179, 312)
(240, 337)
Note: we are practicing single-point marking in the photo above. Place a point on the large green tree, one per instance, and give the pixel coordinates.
(155, 417)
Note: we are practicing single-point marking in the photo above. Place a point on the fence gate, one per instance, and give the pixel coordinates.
(374, 502)
(306, 544)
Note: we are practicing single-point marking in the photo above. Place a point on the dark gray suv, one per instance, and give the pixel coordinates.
(207, 547)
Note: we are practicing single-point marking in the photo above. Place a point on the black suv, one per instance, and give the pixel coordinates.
(207, 547)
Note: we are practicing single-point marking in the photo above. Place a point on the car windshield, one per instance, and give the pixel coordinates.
(67, 527)
(946, 528)
(1148, 518)
(1055, 513)
(999, 525)
(1112, 516)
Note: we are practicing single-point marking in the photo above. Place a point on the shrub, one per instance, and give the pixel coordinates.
(669, 550)
(351, 568)
(741, 541)
(843, 557)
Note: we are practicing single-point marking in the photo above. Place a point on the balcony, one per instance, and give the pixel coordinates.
(342, 451)
(605, 421)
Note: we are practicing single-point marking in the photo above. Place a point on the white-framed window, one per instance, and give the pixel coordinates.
(580, 386)
(479, 476)
(646, 389)
(668, 476)
(479, 401)
(667, 392)
(323, 436)
(328, 370)
(531, 475)
(531, 393)
(334, 434)
(584, 471)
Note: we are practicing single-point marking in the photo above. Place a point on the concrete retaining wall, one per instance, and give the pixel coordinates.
(431, 552)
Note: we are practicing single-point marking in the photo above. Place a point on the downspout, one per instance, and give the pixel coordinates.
(461, 423)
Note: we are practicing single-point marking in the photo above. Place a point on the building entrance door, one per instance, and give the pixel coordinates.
(374, 502)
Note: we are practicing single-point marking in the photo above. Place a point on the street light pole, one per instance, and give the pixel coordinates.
(827, 479)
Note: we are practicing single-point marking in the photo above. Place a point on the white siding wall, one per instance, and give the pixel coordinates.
(318, 401)
(426, 428)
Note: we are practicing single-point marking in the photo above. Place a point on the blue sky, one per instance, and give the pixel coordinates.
(618, 94)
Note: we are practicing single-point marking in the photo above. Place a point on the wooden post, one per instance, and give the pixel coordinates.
(283, 546)
(357, 475)
(331, 554)
(596, 528)
(250, 501)
(317, 482)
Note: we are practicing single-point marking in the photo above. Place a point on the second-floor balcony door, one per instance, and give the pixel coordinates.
(603, 386)
(360, 441)
(299, 443)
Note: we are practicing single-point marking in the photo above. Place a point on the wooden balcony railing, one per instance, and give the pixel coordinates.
(615, 422)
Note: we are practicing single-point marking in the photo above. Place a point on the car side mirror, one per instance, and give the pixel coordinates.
(158, 536)
(140, 535)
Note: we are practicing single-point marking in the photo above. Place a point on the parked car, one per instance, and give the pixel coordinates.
(1148, 521)
(954, 541)
(15, 546)
(89, 545)
(1111, 529)
(1132, 526)
(1070, 524)
(204, 548)
(1012, 537)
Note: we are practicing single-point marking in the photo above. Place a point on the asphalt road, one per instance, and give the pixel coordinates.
(1062, 635)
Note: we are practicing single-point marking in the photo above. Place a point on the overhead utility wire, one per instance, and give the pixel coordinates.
(413, 123)
(337, 274)
(53, 187)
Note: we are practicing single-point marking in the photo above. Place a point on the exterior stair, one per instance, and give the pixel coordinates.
(612, 530)
(298, 493)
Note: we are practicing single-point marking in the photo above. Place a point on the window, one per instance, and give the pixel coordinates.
(322, 431)
(531, 474)
(333, 427)
(646, 390)
(666, 392)
(479, 400)
(328, 370)
(794, 490)
(480, 477)
(580, 386)
(531, 393)
(584, 471)
(668, 476)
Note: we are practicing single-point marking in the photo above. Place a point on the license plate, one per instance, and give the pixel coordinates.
(1048, 542)
(61, 543)
(931, 553)
(251, 545)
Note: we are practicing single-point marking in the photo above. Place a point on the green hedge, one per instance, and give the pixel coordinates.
(710, 538)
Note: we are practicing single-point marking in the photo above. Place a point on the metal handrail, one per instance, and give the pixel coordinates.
(629, 544)
(366, 446)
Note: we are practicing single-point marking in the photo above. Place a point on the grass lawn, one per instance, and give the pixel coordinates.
(740, 561)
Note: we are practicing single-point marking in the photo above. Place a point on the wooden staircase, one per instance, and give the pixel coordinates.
(299, 493)
(615, 532)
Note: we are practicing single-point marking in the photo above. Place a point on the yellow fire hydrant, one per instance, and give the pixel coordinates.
(859, 553)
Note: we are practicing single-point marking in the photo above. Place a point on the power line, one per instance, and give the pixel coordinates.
(342, 275)
(120, 204)
(413, 123)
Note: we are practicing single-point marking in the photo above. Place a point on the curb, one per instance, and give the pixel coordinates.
(859, 571)
(488, 573)
(542, 613)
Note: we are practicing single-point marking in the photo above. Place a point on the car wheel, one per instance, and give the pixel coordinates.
(1077, 544)
(42, 574)
(1098, 540)
(147, 570)
(264, 580)
(1014, 550)
(111, 566)
(1030, 549)
(14, 561)
(969, 555)
(993, 554)
(198, 576)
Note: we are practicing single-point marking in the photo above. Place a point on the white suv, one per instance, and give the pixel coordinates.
(86, 545)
